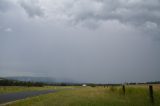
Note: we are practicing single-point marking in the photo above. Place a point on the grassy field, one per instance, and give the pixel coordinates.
(10, 89)
(95, 96)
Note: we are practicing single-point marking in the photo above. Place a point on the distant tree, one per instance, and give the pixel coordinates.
(6, 82)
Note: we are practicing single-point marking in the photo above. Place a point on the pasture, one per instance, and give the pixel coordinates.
(137, 95)
(12, 89)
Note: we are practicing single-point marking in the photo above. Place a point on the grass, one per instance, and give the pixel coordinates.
(96, 96)
(11, 89)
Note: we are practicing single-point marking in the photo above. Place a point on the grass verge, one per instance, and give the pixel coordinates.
(97, 96)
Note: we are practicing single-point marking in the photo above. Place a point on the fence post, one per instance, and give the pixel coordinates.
(151, 93)
(123, 89)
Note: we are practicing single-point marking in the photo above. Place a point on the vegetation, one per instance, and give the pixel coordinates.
(6, 82)
(95, 96)
(10, 89)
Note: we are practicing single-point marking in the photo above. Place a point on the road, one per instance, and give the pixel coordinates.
(9, 97)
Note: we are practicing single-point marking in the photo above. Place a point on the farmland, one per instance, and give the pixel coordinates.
(12, 89)
(137, 95)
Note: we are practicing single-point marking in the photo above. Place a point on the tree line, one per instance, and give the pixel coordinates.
(6, 82)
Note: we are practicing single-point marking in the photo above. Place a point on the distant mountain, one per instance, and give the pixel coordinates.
(41, 79)
(32, 79)
(2, 79)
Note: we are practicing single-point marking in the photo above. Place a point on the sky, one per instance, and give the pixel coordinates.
(99, 41)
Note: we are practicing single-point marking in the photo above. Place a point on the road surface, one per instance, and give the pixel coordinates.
(9, 97)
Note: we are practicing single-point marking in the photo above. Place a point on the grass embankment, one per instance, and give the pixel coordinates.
(11, 89)
(97, 96)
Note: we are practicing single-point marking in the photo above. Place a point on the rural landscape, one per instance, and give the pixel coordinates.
(67, 94)
(79, 52)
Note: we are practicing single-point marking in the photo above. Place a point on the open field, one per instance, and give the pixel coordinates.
(11, 89)
(95, 96)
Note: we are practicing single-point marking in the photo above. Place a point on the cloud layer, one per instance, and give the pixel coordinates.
(32, 8)
(85, 40)
(136, 12)
(5, 5)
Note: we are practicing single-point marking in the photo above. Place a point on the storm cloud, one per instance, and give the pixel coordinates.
(99, 41)
(32, 7)
(137, 12)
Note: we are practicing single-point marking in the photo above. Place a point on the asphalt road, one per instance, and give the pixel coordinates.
(9, 97)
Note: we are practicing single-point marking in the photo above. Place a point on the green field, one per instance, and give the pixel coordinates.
(10, 89)
(93, 96)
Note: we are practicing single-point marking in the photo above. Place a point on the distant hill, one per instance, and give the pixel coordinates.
(49, 80)
(2, 79)
(32, 79)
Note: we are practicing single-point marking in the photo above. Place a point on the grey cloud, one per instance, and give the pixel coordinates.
(113, 52)
(3, 29)
(5, 5)
(32, 8)
(135, 12)
(8, 30)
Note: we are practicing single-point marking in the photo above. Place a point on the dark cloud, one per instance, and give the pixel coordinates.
(135, 12)
(32, 8)
(119, 48)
